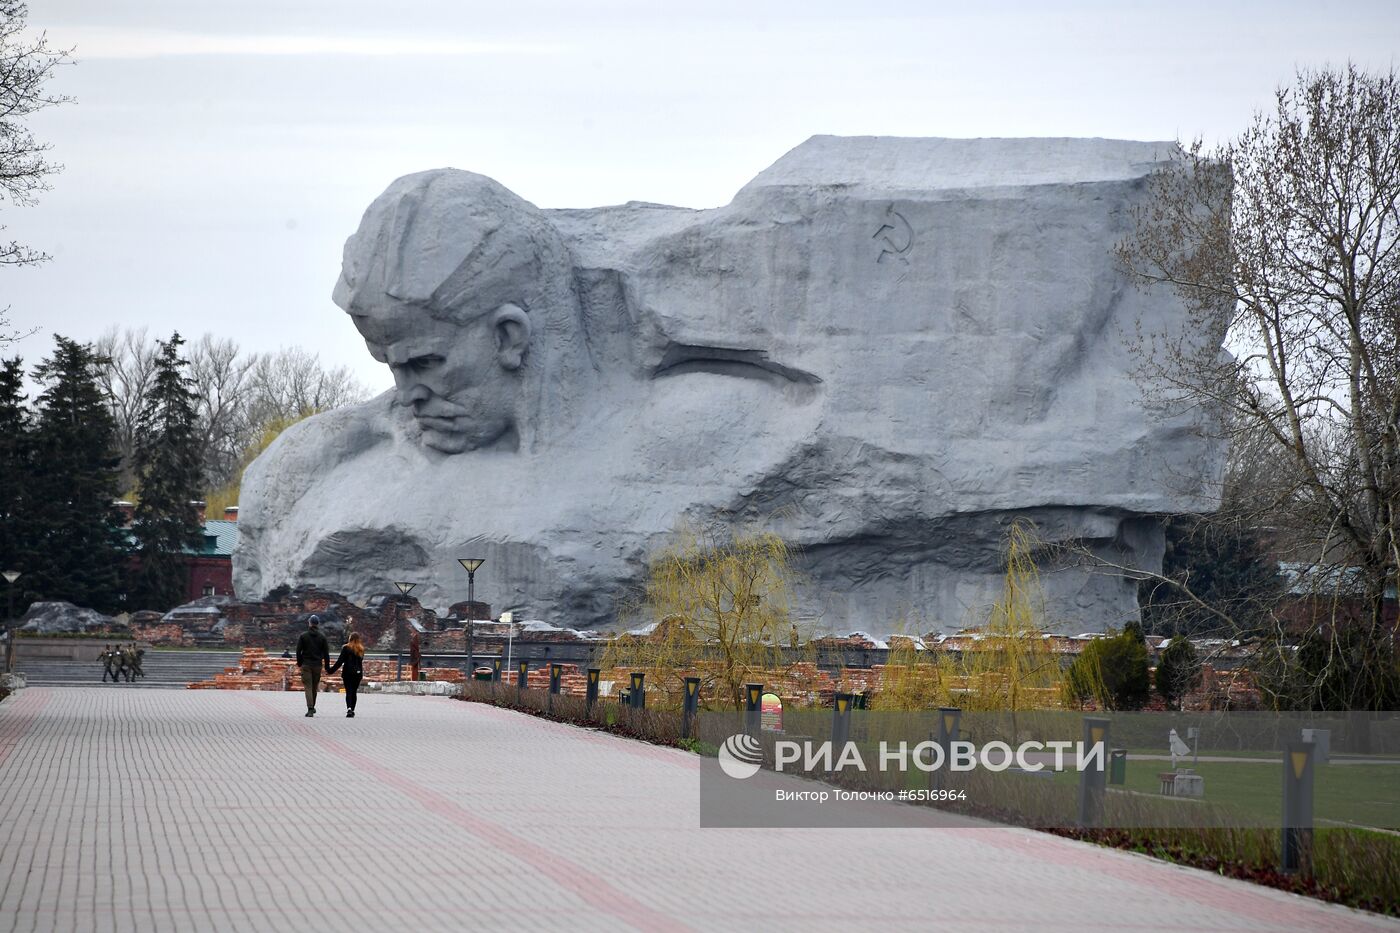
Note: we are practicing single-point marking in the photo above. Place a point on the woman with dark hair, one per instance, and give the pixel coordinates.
(352, 657)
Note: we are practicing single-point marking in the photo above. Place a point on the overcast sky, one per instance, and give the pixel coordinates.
(219, 153)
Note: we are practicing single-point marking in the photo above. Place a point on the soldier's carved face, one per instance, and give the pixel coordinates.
(461, 380)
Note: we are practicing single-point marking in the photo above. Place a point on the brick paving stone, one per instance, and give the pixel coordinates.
(221, 810)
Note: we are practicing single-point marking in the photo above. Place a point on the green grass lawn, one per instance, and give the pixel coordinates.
(1353, 865)
(1259, 754)
(1357, 794)
(1208, 753)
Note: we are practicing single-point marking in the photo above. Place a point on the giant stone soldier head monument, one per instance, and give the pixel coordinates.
(887, 350)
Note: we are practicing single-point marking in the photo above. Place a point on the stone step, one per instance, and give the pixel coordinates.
(163, 669)
(136, 685)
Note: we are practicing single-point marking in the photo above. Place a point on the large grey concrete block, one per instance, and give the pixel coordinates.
(887, 348)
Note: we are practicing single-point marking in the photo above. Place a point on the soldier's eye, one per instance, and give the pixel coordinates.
(428, 361)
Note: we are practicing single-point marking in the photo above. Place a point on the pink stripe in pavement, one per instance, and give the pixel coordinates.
(1239, 898)
(594, 890)
(17, 717)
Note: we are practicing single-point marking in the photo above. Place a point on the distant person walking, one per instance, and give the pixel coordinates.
(313, 654)
(352, 658)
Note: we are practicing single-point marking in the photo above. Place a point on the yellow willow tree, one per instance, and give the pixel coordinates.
(911, 679)
(1006, 664)
(715, 604)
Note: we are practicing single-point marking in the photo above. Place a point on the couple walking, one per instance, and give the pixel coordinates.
(313, 654)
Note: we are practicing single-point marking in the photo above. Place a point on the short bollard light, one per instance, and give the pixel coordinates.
(556, 677)
(1298, 765)
(1092, 776)
(949, 720)
(521, 678)
(840, 723)
(753, 709)
(860, 702)
(591, 696)
(691, 706)
(638, 692)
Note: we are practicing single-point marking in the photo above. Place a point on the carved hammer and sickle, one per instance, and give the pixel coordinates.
(896, 236)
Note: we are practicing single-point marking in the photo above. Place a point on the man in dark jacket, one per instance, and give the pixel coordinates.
(313, 656)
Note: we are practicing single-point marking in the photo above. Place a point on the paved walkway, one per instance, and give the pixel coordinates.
(164, 810)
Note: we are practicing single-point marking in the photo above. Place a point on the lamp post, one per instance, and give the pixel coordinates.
(470, 565)
(470, 629)
(10, 577)
(404, 590)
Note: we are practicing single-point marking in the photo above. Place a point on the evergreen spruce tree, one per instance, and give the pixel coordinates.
(1133, 629)
(1178, 671)
(15, 466)
(77, 549)
(169, 475)
(1113, 672)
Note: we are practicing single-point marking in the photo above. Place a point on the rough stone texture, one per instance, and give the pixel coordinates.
(887, 349)
(56, 618)
(200, 614)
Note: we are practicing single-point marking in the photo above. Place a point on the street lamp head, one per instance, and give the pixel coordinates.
(405, 588)
(10, 576)
(469, 564)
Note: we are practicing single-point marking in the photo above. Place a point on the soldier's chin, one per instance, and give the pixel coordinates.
(459, 435)
(447, 442)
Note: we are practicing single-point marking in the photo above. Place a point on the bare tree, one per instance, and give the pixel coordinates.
(1290, 235)
(26, 65)
(238, 396)
(1220, 571)
(292, 383)
(125, 374)
(222, 376)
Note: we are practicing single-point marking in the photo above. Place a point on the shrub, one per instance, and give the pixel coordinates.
(1112, 672)
(1178, 670)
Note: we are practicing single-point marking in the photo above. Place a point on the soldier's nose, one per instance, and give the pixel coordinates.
(409, 388)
